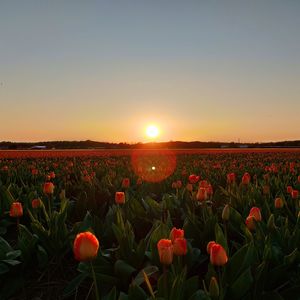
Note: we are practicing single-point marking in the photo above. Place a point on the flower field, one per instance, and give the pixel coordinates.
(155, 224)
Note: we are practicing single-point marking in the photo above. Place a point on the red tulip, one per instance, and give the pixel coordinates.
(16, 210)
(85, 246)
(209, 245)
(180, 246)
(250, 223)
(36, 203)
(218, 256)
(255, 212)
(230, 178)
(193, 178)
(295, 194)
(246, 178)
(289, 189)
(165, 251)
(48, 188)
(120, 197)
(202, 194)
(176, 233)
(125, 183)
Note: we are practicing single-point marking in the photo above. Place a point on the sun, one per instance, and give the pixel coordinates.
(152, 131)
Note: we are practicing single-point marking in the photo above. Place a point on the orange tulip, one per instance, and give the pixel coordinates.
(16, 210)
(48, 188)
(176, 233)
(180, 246)
(120, 197)
(85, 246)
(165, 251)
(250, 223)
(278, 203)
(255, 212)
(218, 256)
(202, 194)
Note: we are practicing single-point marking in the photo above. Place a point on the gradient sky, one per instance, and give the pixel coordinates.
(103, 70)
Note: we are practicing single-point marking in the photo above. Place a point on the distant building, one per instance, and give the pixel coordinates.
(38, 147)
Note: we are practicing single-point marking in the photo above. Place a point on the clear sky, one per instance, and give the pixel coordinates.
(103, 70)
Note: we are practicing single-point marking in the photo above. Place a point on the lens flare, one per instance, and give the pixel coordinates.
(153, 165)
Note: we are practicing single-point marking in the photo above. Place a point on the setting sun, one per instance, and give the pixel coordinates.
(152, 131)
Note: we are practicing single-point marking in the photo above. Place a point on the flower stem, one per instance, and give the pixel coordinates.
(95, 282)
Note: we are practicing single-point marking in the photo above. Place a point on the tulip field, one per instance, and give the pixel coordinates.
(153, 224)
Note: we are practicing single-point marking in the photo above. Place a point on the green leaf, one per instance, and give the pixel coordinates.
(3, 268)
(220, 237)
(11, 262)
(150, 270)
(136, 292)
(13, 254)
(112, 295)
(241, 286)
(199, 295)
(73, 285)
(123, 269)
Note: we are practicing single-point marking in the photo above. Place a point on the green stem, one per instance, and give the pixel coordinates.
(95, 282)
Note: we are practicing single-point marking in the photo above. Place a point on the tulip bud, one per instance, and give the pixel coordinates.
(278, 203)
(36, 203)
(193, 178)
(85, 246)
(209, 245)
(289, 189)
(218, 256)
(246, 179)
(165, 251)
(255, 212)
(226, 213)
(120, 197)
(214, 290)
(180, 246)
(295, 194)
(201, 194)
(48, 188)
(250, 223)
(125, 183)
(176, 233)
(266, 189)
(179, 184)
(230, 178)
(189, 187)
(271, 223)
(16, 210)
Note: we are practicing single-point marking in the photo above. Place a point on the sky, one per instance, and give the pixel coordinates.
(103, 70)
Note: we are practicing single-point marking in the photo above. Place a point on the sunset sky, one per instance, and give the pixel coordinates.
(103, 70)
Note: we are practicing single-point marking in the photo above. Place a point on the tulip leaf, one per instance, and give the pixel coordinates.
(73, 285)
(241, 286)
